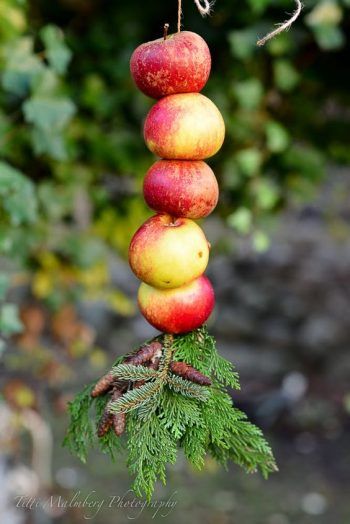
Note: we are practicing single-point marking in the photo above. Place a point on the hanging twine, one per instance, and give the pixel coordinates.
(205, 6)
(284, 26)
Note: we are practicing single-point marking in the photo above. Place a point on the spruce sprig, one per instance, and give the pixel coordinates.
(187, 388)
(168, 412)
(133, 373)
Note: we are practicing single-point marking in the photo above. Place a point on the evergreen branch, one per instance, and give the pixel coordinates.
(80, 433)
(198, 349)
(177, 412)
(199, 419)
(135, 398)
(133, 373)
(187, 388)
(151, 447)
(147, 409)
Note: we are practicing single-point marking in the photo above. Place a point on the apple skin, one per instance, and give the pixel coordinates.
(177, 310)
(168, 253)
(179, 64)
(184, 127)
(182, 188)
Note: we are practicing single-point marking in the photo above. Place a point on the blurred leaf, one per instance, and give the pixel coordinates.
(42, 284)
(56, 200)
(277, 138)
(48, 142)
(266, 193)
(325, 13)
(305, 160)
(249, 161)
(57, 52)
(286, 76)
(120, 303)
(17, 195)
(329, 37)
(9, 320)
(243, 43)
(261, 241)
(45, 83)
(249, 93)
(48, 113)
(280, 45)
(21, 66)
(12, 21)
(241, 220)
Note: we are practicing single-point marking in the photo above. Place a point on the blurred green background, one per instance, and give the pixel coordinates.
(71, 170)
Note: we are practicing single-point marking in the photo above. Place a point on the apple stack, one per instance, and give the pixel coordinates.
(169, 252)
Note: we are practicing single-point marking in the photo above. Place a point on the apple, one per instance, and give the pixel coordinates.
(182, 188)
(186, 126)
(177, 310)
(180, 63)
(168, 252)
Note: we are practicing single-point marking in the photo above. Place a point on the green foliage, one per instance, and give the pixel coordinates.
(168, 413)
(57, 52)
(80, 432)
(15, 189)
(9, 321)
(133, 373)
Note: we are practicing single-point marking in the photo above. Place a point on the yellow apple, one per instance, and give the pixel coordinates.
(168, 252)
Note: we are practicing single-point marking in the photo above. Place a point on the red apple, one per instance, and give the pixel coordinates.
(184, 127)
(167, 252)
(182, 188)
(179, 64)
(177, 310)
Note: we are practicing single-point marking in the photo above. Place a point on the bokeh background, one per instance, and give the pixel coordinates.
(72, 163)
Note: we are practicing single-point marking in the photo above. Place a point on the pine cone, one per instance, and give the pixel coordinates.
(144, 354)
(119, 421)
(189, 373)
(103, 385)
(104, 425)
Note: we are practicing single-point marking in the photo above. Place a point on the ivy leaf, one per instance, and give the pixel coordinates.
(49, 143)
(329, 37)
(9, 320)
(48, 113)
(243, 43)
(286, 76)
(261, 241)
(249, 93)
(241, 220)
(17, 195)
(21, 67)
(277, 137)
(266, 194)
(58, 54)
(249, 160)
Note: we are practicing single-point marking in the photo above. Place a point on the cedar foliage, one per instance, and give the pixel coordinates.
(168, 413)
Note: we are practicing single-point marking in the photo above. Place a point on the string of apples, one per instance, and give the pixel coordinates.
(169, 252)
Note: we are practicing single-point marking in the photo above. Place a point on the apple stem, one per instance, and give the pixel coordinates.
(165, 33)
